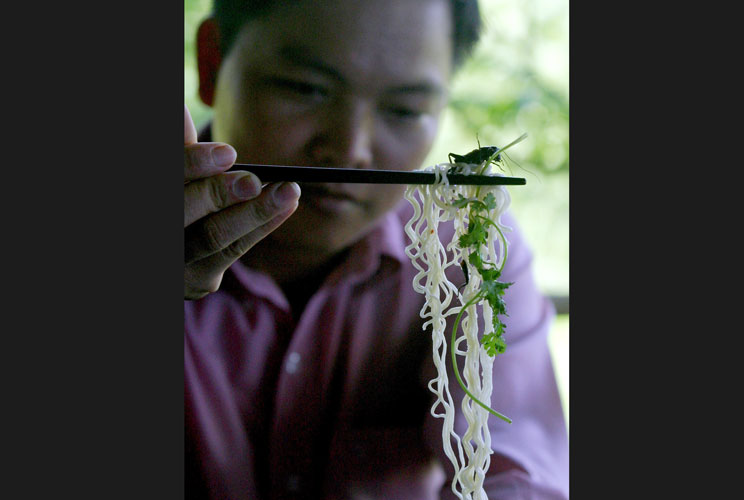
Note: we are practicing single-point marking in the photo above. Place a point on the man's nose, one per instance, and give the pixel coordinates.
(346, 137)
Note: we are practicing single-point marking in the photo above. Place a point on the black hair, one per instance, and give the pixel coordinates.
(231, 15)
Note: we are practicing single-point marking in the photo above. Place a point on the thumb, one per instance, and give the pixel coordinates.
(189, 136)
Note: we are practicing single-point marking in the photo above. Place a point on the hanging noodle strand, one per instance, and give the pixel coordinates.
(432, 205)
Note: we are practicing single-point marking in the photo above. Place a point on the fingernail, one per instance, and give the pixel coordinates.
(285, 192)
(223, 155)
(246, 186)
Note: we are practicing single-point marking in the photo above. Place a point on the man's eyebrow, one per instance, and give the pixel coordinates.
(299, 57)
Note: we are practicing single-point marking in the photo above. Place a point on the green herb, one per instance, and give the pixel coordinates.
(476, 236)
(491, 289)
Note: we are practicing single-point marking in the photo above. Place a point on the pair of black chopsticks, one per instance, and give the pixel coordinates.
(276, 173)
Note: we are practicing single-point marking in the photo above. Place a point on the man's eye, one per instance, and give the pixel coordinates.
(404, 113)
(301, 88)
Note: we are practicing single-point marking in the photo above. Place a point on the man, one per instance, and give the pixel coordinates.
(305, 362)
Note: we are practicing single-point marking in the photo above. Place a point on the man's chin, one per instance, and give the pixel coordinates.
(312, 230)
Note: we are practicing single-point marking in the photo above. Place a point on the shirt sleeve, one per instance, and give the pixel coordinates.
(530, 459)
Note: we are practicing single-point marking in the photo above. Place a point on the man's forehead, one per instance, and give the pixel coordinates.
(419, 55)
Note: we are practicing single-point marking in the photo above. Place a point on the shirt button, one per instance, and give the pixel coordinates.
(293, 362)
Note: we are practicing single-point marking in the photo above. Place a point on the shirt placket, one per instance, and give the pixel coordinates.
(308, 390)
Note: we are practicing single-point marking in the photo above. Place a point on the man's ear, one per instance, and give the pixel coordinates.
(208, 58)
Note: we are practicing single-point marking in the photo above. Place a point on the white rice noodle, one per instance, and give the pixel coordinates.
(470, 455)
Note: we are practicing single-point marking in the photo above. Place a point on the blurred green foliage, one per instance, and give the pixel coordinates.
(517, 81)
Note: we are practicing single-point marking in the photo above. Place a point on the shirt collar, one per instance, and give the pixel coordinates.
(244, 280)
(382, 250)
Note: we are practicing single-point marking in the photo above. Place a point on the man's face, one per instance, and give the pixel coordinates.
(336, 83)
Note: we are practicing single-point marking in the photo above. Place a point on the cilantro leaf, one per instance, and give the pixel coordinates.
(489, 201)
(489, 274)
(477, 205)
(493, 291)
(493, 344)
(476, 235)
(493, 287)
(461, 201)
(475, 260)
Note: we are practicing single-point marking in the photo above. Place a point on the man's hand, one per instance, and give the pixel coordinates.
(225, 214)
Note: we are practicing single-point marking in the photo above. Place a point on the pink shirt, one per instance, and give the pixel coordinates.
(332, 402)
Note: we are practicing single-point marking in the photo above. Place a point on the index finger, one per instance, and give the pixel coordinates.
(205, 159)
